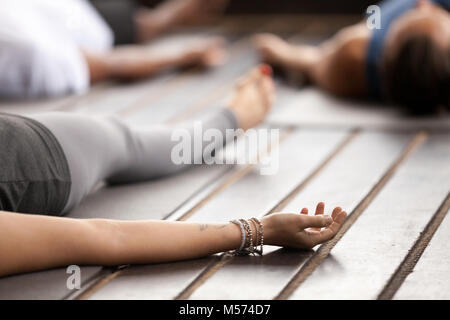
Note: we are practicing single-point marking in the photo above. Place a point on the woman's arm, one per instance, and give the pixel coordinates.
(134, 61)
(35, 242)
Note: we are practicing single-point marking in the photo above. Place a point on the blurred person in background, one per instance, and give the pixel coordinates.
(51, 48)
(406, 61)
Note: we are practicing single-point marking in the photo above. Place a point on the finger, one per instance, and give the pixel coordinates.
(328, 233)
(319, 221)
(336, 211)
(304, 211)
(320, 209)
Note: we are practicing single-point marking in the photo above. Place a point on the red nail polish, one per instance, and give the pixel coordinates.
(266, 70)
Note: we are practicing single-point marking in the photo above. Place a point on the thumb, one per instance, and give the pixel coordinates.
(319, 221)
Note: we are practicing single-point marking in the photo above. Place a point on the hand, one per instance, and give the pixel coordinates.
(206, 53)
(300, 230)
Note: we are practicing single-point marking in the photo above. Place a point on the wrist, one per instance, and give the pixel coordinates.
(233, 236)
(269, 231)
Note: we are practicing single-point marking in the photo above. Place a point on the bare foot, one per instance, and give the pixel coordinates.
(254, 97)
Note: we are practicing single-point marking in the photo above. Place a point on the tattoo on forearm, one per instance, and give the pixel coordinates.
(205, 226)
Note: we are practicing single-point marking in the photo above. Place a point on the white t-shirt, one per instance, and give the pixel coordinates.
(41, 43)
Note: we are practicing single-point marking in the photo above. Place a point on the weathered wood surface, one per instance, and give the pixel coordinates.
(363, 261)
(151, 200)
(155, 199)
(265, 191)
(394, 194)
(312, 107)
(44, 285)
(370, 155)
(430, 277)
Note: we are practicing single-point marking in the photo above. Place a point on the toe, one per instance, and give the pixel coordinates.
(251, 77)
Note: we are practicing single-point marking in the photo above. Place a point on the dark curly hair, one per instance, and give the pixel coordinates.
(417, 75)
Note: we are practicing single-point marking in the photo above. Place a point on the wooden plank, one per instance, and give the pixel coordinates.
(43, 285)
(368, 254)
(343, 182)
(27, 107)
(155, 199)
(299, 155)
(429, 279)
(312, 107)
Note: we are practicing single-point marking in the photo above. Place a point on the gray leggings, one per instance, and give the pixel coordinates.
(105, 148)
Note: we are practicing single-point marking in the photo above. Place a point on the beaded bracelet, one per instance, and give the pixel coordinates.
(247, 246)
(239, 223)
(260, 235)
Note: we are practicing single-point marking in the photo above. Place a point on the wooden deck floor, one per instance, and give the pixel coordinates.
(391, 173)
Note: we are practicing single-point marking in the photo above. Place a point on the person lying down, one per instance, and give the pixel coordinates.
(52, 161)
(51, 48)
(405, 62)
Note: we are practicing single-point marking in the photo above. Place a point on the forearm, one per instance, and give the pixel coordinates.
(32, 242)
(163, 241)
(131, 62)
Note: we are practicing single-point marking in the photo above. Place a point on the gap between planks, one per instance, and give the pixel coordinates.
(324, 250)
(210, 270)
(415, 253)
(231, 180)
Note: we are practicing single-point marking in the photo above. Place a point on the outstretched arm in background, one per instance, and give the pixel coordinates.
(134, 62)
